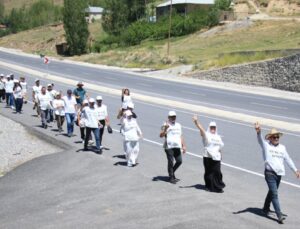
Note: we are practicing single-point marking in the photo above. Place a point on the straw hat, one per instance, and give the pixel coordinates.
(272, 132)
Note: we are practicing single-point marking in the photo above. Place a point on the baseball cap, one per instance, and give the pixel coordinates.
(49, 85)
(85, 101)
(91, 100)
(1, 74)
(99, 97)
(172, 113)
(79, 83)
(212, 124)
(128, 113)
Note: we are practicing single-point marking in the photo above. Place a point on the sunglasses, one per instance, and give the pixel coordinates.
(275, 137)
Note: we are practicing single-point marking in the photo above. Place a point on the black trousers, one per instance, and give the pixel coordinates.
(101, 130)
(174, 153)
(212, 175)
(2, 95)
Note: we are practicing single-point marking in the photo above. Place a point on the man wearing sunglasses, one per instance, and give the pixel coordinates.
(275, 155)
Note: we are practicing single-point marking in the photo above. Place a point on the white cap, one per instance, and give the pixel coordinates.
(212, 124)
(8, 76)
(49, 85)
(91, 100)
(99, 97)
(37, 80)
(79, 83)
(16, 81)
(172, 113)
(85, 101)
(1, 74)
(130, 105)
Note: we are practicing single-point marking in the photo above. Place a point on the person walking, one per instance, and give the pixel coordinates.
(173, 145)
(274, 155)
(36, 90)
(43, 100)
(9, 90)
(80, 93)
(81, 121)
(132, 133)
(23, 84)
(59, 110)
(212, 156)
(92, 124)
(2, 88)
(102, 117)
(70, 111)
(18, 96)
(51, 93)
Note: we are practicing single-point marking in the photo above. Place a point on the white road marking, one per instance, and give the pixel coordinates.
(144, 84)
(193, 93)
(223, 163)
(267, 105)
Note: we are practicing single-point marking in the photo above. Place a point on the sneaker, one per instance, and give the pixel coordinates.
(46, 126)
(98, 151)
(266, 211)
(281, 219)
(91, 142)
(176, 179)
(172, 180)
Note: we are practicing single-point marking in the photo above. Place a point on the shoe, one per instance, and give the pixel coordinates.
(266, 211)
(281, 219)
(91, 142)
(69, 135)
(85, 149)
(98, 151)
(172, 180)
(176, 179)
(46, 126)
(129, 165)
(101, 147)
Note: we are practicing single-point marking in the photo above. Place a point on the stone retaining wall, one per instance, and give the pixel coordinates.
(281, 73)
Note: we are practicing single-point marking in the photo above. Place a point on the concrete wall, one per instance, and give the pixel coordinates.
(281, 73)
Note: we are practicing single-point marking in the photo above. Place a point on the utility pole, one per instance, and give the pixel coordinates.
(170, 26)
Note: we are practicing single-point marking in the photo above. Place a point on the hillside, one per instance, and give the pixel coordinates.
(10, 4)
(221, 46)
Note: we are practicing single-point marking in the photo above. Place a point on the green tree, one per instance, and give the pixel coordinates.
(1, 11)
(223, 4)
(75, 26)
(119, 14)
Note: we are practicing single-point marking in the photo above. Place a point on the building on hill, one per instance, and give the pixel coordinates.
(93, 13)
(182, 6)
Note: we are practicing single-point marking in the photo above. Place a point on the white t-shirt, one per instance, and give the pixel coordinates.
(275, 156)
(131, 130)
(102, 112)
(70, 103)
(9, 86)
(37, 90)
(2, 84)
(44, 101)
(126, 99)
(90, 117)
(18, 93)
(174, 133)
(212, 146)
(24, 87)
(59, 107)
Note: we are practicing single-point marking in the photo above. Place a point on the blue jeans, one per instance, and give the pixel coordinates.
(96, 134)
(44, 114)
(273, 181)
(19, 104)
(70, 117)
(9, 99)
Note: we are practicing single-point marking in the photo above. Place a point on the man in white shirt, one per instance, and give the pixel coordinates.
(51, 93)
(23, 84)
(174, 143)
(36, 90)
(92, 124)
(70, 111)
(2, 88)
(274, 155)
(102, 116)
(9, 89)
(43, 100)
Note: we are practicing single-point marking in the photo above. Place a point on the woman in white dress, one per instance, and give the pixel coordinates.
(132, 133)
(59, 110)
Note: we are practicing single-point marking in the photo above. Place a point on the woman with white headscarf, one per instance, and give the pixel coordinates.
(132, 133)
(213, 144)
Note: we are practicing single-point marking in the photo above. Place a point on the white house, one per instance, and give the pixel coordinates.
(93, 13)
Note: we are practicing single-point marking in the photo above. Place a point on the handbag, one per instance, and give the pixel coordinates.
(109, 130)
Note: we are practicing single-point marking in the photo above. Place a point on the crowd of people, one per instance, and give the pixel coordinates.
(91, 116)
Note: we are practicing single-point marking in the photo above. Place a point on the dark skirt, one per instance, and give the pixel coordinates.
(213, 175)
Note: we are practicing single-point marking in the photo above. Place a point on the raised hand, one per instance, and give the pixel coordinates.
(257, 127)
(195, 118)
(298, 174)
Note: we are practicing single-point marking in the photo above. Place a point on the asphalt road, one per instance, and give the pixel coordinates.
(74, 189)
(262, 106)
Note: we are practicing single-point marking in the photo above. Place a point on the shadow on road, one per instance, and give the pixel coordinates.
(161, 178)
(119, 156)
(256, 211)
(196, 186)
(122, 163)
